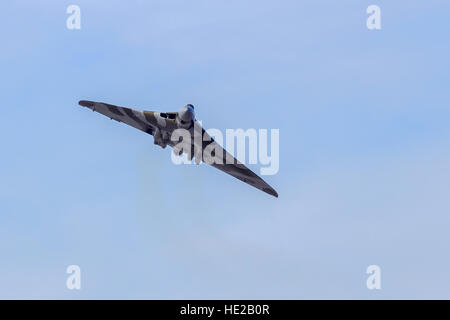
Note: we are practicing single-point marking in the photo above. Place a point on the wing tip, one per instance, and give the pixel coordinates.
(271, 191)
(86, 103)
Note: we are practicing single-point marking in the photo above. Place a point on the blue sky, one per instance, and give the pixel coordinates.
(364, 150)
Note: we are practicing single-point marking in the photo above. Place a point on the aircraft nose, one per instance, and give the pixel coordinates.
(186, 113)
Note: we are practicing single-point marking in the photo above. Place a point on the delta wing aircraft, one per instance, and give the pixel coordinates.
(161, 125)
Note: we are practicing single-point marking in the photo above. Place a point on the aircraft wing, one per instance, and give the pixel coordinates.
(233, 167)
(144, 121)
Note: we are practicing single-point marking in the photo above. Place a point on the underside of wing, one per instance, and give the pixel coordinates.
(224, 161)
(135, 118)
(244, 174)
